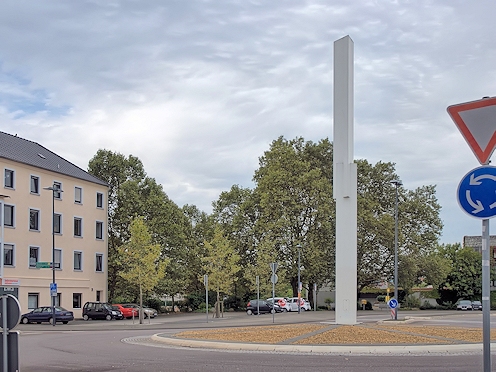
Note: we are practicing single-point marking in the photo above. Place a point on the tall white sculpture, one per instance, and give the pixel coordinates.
(345, 184)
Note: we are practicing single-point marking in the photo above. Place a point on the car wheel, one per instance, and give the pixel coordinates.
(108, 317)
(272, 311)
(249, 312)
(303, 309)
(50, 320)
(284, 310)
(24, 320)
(86, 317)
(65, 322)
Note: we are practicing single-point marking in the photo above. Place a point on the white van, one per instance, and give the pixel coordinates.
(283, 302)
(293, 304)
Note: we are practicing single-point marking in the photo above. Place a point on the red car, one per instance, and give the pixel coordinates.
(127, 312)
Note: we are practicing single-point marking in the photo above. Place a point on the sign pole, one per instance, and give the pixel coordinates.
(486, 294)
(5, 332)
(205, 281)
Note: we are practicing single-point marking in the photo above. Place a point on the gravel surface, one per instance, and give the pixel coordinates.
(320, 334)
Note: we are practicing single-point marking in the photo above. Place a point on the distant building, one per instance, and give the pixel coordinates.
(475, 242)
(79, 226)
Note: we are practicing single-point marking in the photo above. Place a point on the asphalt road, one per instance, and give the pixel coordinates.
(104, 346)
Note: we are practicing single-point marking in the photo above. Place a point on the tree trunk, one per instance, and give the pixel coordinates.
(217, 305)
(141, 306)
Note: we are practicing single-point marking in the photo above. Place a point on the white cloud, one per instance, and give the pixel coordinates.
(198, 90)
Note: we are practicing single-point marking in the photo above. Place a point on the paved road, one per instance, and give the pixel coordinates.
(103, 346)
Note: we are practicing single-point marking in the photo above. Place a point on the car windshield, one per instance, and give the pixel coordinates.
(465, 302)
(107, 306)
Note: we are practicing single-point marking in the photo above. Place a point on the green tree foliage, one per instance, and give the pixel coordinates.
(294, 191)
(141, 263)
(221, 264)
(465, 277)
(133, 194)
(419, 226)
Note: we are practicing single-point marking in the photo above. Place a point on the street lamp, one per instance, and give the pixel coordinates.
(55, 190)
(397, 183)
(299, 290)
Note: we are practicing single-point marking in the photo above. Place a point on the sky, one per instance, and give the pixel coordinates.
(198, 89)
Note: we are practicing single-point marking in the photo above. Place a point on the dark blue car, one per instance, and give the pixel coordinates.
(44, 314)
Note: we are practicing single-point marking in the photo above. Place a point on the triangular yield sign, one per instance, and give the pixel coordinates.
(476, 121)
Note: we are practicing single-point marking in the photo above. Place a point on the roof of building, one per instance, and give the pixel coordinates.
(476, 241)
(31, 153)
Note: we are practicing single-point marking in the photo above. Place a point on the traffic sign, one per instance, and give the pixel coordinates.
(13, 315)
(476, 121)
(477, 192)
(274, 278)
(43, 265)
(392, 303)
(273, 267)
(53, 289)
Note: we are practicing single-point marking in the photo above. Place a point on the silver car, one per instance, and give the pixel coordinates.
(464, 305)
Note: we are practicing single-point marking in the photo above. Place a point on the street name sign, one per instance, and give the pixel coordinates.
(477, 192)
(476, 121)
(43, 265)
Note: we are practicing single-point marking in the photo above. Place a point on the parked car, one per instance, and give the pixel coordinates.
(147, 311)
(127, 311)
(261, 307)
(477, 305)
(118, 314)
(304, 304)
(44, 314)
(464, 305)
(99, 310)
(282, 302)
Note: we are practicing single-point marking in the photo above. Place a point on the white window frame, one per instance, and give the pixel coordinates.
(37, 256)
(80, 254)
(7, 206)
(97, 255)
(57, 194)
(38, 219)
(80, 219)
(7, 247)
(99, 223)
(59, 215)
(37, 188)
(99, 194)
(79, 297)
(12, 178)
(36, 298)
(57, 252)
(78, 199)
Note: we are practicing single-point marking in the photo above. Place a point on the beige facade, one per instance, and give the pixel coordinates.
(80, 236)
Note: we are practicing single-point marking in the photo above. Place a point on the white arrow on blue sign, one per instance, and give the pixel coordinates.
(393, 304)
(477, 192)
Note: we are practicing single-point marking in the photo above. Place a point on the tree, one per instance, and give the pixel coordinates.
(141, 260)
(294, 190)
(221, 264)
(116, 170)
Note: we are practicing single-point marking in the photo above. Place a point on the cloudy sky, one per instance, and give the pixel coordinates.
(198, 89)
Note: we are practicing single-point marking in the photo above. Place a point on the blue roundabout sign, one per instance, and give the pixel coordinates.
(477, 192)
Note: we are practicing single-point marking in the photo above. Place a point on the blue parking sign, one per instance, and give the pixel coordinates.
(53, 289)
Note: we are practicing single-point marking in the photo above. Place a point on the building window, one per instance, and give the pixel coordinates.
(57, 223)
(8, 215)
(99, 262)
(35, 185)
(77, 300)
(98, 296)
(99, 200)
(78, 226)
(33, 300)
(9, 178)
(99, 230)
(78, 260)
(78, 195)
(8, 259)
(33, 256)
(58, 258)
(58, 299)
(34, 219)
(57, 194)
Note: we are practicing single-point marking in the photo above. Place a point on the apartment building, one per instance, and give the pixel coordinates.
(76, 208)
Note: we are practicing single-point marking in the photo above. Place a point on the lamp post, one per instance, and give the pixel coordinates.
(55, 189)
(397, 183)
(299, 291)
